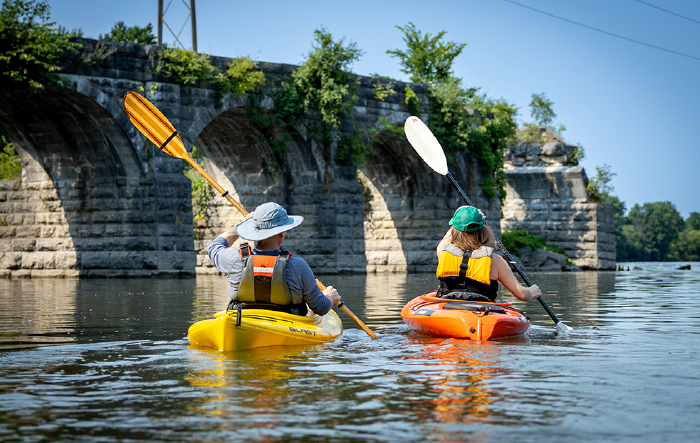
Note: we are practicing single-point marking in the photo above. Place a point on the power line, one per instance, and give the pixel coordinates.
(667, 11)
(605, 32)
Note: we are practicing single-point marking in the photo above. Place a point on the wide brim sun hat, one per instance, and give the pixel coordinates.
(268, 220)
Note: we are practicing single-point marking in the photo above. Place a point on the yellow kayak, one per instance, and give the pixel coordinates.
(261, 327)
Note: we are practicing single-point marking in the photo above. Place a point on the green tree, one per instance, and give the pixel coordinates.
(659, 225)
(687, 247)
(541, 110)
(130, 34)
(599, 187)
(461, 119)
(692, 223)
(628, 244)
(691, 245)
(427, 59)
(619, 207)
(516, 238)
(542, 130)
(62, 30)
(29, 47)
(322, 84)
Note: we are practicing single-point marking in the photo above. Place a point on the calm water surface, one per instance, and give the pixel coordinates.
(108, 360)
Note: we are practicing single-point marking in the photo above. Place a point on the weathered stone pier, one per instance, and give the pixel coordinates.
(548, 198)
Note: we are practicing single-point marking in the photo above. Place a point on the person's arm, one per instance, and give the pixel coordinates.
(505, 276)
(219, 249)
(231, 235)
(301, 280)
(221, 253)
(447, 239)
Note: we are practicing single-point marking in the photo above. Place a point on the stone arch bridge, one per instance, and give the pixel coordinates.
(97, 199)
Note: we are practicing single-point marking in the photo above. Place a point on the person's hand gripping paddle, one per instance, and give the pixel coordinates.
(156, 127)
(430, 150)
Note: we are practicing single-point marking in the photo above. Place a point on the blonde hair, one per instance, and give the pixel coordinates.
(469, 241)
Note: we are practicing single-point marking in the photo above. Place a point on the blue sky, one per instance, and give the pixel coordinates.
(631, 106)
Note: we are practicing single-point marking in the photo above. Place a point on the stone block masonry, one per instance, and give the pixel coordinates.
(551, 201)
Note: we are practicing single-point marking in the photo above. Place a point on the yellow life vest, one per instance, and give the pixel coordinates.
(474, 265)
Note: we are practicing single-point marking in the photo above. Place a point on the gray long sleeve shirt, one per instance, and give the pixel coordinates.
(300, 278)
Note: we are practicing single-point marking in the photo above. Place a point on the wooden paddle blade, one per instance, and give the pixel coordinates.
(425, 144)
(154, 125)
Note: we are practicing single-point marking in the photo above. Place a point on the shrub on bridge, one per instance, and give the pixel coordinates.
(321, 84)
(190, 68)
(242, 76)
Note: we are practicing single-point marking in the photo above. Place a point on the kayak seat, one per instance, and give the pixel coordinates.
(266, 306)
(467, 296)
(299, 309)
(234, 305)
(467, 306)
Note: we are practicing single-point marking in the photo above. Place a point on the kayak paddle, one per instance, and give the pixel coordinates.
(430, 150)
(157, 128)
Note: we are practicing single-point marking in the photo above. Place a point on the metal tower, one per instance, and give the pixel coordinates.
(191, 17)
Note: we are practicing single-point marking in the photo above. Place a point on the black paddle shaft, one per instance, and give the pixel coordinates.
(505, 252)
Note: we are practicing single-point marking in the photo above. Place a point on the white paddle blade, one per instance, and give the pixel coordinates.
(561, 327)
(425, 144)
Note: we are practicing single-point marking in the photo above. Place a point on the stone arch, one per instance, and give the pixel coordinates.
(84, 205)
(239, 154)
(407, 205)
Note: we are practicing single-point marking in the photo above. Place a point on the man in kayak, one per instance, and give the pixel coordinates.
(268, 274)
(468, 269)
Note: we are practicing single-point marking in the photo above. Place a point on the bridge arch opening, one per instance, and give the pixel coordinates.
(257, 163)
(84, 205)
(404, 208)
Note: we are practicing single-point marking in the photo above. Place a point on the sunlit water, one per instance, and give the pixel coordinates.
(108, 360)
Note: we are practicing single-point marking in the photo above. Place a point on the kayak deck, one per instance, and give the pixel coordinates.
(440, 317)
(261, 327)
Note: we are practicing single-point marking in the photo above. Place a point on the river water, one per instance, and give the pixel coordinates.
(108, 361)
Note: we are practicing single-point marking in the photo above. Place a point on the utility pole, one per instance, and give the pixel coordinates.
(192, 17)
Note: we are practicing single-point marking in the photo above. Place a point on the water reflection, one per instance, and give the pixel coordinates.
(210, 296)
(458, 380)
(37, 312)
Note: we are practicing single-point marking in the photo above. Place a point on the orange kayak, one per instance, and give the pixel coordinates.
(439, 317)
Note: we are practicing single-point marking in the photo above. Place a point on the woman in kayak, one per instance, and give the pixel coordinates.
(268, 274)
(468, 269)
